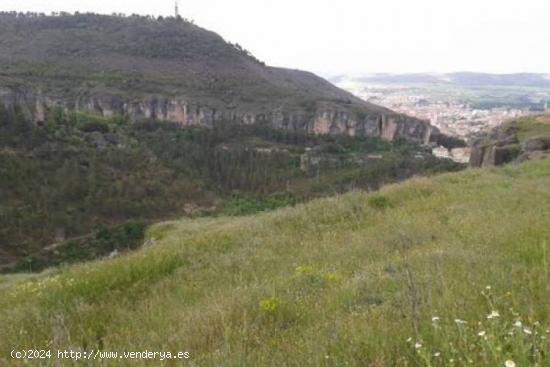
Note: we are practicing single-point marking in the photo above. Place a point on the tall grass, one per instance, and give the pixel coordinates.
(451, 270)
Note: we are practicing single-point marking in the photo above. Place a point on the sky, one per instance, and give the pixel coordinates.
(332, 37)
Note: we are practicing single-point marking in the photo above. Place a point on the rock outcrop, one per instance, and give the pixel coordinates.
(486, 153)
(505, 144)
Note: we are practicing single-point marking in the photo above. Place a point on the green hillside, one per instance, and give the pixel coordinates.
(91, 54)
(445, 271)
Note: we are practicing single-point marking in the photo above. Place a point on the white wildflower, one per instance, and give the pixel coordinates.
(488, 287)
(435, 318)
(409, 339)
(459, 321)
(510, 363)
(527, 331)
(437, 354)
(493, 315)
(518, 324)
(417, 345)
(481, 333)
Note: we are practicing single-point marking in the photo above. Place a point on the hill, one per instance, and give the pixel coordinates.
(171, 69)
(449, 270)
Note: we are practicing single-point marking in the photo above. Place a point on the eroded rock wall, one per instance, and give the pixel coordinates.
(325, 118)
(502, 145)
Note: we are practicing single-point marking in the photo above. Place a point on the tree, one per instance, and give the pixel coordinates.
(23, 127)
(4, 116)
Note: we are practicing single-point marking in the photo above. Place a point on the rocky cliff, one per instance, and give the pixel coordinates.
(514, 141)
(325, 118)
(170, 69)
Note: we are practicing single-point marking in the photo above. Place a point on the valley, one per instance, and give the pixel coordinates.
(164, 191)
(152, 119)
(81, 174)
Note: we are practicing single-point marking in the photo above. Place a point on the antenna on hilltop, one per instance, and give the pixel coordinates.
(177, 9)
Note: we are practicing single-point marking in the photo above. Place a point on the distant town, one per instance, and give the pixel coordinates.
(462, 111)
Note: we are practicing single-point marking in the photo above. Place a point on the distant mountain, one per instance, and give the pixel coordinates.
(521, 79)
(171, 69)
(459, 78)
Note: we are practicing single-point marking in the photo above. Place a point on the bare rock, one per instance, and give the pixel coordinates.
(538, 143)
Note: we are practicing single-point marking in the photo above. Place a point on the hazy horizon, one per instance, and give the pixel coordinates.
(375, 73)
(346, 37)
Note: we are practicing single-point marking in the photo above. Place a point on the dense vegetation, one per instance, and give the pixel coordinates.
(67, 178)
(104, 241)
(444, 271)
(78, 172)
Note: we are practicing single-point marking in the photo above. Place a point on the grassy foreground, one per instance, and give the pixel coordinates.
(451, 270)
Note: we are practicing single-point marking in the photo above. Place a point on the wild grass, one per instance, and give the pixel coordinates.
(529, 127)
(447, 271)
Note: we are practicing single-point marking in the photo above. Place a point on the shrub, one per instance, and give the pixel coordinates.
(93, 126)
(379, 202)
(245, 204)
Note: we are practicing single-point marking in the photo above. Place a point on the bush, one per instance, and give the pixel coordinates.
(93, 126)
(379, 202)
(245, 204)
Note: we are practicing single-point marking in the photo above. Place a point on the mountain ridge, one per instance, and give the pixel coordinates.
(170, 69)
(462, 78)
(173, 70)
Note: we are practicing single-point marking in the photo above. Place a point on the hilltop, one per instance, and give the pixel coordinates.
(449, 270)
(171, 69)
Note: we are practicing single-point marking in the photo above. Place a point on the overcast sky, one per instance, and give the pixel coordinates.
(360, 36)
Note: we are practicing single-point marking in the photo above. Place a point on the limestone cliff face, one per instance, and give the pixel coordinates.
(325, 118)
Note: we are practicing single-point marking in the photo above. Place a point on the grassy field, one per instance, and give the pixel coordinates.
(447, 271)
